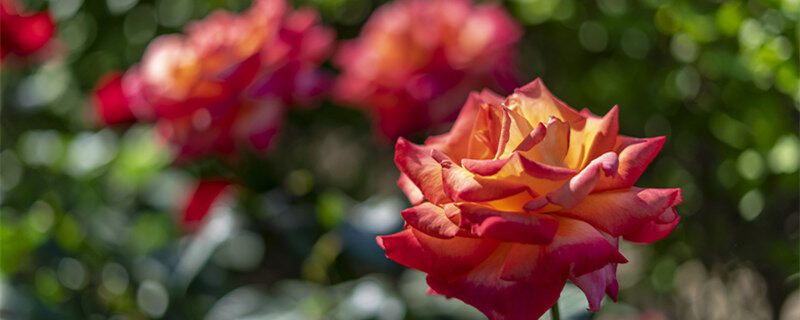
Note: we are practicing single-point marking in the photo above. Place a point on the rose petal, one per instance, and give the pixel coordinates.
(454, 143)
(413, 193)
(505, 226)
(620, 212)
(597, 284)
(431, 220)
(533, 138)
(461, 185)
(515, 129)
(554, 146)
(596, 137)
(497, 298)
(652, 231)
(573, 192)
(537, 104)
(634, 156)
(577, 249)
(417, 164)
(446, 259)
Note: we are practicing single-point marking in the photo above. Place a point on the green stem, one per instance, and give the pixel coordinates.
(554, 315)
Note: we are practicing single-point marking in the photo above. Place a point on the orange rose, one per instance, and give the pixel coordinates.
(522, 194)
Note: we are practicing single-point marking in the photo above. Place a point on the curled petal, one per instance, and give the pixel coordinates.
(533, 138)
(446, 259)
(515, 130)
(571, 193)
(430, 219)
(653, 231)
(621, 212)
(461, 185)
(508, 226)
(518, 164)
(417, 164)
(497, 298)
(634, 156)
(577, 249)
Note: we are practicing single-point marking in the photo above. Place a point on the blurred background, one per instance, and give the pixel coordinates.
(88, 222)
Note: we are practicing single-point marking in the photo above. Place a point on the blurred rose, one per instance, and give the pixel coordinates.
(226, 82)
(416, 60)
(522, 194)
(203, 197)
(23, 33)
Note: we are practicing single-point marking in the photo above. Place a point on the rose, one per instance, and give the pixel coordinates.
(416, 60)
(225, 83)
(22, 33)
(522, 194)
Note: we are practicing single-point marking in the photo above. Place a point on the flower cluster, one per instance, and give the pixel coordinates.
(226, 81)
(23, 33)
(416, 60)
(521, 195)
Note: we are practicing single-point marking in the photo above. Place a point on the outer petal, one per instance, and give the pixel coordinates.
(652, 231)
(417, 164)
(430, 219)
(577, 249)
(497, 298)
(519, 227)
(597, 284)
(445, 259)
(624, 211)
(410, 189)
(634, 156)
